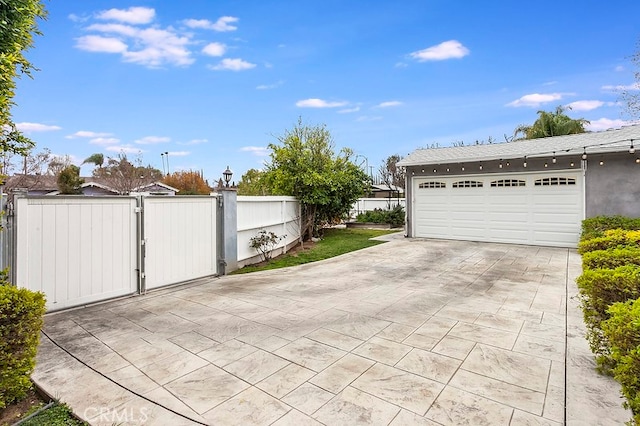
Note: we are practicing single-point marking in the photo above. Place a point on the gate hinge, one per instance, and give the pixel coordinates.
(137, 209)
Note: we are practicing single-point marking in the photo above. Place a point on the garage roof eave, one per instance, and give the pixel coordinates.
(608, 141)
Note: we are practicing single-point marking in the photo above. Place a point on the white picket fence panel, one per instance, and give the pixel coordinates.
(277, 214)
(180, 241)
(76, 250)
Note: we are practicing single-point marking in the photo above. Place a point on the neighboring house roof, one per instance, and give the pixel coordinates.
(593, 142)
(98, 185)
(157, 184)
(48, 185)
(383, 187)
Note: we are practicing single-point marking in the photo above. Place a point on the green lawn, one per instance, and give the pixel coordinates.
(334, 243)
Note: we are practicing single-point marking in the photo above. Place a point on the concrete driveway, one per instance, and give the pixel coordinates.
(411, 332)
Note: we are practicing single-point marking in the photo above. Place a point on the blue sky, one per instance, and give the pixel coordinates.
(214, 82)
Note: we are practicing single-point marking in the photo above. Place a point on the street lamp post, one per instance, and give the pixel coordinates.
(227, 176)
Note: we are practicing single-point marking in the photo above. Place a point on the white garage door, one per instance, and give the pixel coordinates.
(537, 208)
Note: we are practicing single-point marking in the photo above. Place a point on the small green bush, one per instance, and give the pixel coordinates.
(21, 313)
(395, 216)
(594, 227)
(623, 332)
(611, 239)
(599, 289)
(611, 258)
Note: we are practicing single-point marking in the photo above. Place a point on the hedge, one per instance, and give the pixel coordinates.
(599, 289)
(21, 313)
(611, 239)
(395, 216)
(622, 330)
(611, 258)
(596, 226)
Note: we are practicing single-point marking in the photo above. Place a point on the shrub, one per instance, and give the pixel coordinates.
(611, 258)
(394, 217)
(21, 312)
(599, 289)
(596, 226)
(623, 332)
(264, 243)
(611, 239)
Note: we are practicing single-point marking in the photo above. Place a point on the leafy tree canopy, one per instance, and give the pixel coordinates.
(305, 165)
(69, 180)
(555, 123)
(188, 182)
(126, 176)
(97, 159)
(18, 25)
(253, 183)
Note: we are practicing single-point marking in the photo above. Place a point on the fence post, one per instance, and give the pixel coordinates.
(228, 231)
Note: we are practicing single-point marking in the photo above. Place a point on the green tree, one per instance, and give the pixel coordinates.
(551, 124)
(18, 25)
(126, 176)
(305, 166)
(69, 180)
(97, 159)
(188, 182)
(253, 183)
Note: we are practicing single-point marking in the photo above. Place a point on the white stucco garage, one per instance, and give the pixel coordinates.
(533, 192)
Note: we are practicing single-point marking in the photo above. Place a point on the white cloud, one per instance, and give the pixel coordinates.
(152, 47)
(260, 151)
(235, 64)
(150, 140)
(349, 110)
(319, 103)
(535, 99)
(88, 134)
(179, 153)
(632, 86)
(270, 86)
(36, 127)
(104, 141)
(401, 65)
(214, 49)
(550, 83)
(451, 49)
(223, 24)
(133, 15)
(585, 105)
(126, 149)
(94, 43)
(607, 123)
(389, 104)
(619, 68)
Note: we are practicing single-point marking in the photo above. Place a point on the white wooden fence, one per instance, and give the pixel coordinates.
(76, 250)
(369, 204)
(280, 215)
(180, 241)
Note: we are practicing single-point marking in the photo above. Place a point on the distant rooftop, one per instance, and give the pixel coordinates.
(593, 142)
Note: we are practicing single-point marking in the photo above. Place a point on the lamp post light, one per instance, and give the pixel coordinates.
(227, 176)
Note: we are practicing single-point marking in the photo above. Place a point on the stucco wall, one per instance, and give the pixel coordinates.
(614, 187)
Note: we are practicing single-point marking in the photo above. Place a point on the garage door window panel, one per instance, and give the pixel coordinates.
(467, 184)
(432, 185)
(555, 181)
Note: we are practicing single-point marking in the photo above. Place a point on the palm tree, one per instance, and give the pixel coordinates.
(551, 124)
(97, 159)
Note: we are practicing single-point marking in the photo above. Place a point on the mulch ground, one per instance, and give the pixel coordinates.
(16, 411)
